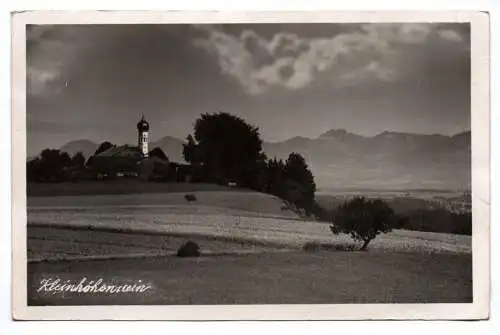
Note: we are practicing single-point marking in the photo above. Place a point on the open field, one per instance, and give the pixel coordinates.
(124, 186)
(267, 278)
(252, 252)
(230, 202)
(239, 218)
(57, 243)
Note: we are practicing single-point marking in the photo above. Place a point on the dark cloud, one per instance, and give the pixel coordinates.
(94, 81)
(286, 72)
(288, 45)
(269, 30)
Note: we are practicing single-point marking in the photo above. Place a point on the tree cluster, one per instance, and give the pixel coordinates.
(293, 181)
(53, 165)
(225, 146)
(438, 220)
(226, 149)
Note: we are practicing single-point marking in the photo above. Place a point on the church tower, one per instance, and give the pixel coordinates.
(143, 136)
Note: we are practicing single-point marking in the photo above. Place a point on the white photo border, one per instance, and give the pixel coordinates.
(480, 134)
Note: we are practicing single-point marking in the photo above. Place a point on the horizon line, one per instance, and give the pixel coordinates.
(311, 138)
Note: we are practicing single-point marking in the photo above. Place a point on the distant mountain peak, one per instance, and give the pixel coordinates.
(390, 134)
(86, 147)
(334, 133)
(298, 138)
(397, 134)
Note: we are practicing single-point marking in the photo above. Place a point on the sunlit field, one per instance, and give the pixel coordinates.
(243, 216)
(253, 251)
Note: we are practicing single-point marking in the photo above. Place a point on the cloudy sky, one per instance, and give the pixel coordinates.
(94, 81)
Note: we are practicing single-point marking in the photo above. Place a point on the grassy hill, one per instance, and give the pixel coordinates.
(252, 250)
(218, 212)
(227, 202)
(131, 186)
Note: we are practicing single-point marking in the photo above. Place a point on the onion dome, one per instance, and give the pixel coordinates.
(143, 125)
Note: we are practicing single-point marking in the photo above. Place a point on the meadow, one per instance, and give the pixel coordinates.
(252, 251)
(248, 216)
(122, 186)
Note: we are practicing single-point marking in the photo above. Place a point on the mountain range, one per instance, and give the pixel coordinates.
(340, 159)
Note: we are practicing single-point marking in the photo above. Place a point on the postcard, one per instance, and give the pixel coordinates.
(250, 165)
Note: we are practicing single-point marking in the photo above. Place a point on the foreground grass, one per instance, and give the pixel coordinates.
(267, 278)
(56, 243)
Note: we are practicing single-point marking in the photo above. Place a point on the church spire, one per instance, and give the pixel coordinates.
(143, 135)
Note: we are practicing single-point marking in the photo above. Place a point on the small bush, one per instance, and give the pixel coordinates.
(190, 197)
(189, 249)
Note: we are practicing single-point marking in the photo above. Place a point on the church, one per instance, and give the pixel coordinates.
(128, 161)
(143, 136)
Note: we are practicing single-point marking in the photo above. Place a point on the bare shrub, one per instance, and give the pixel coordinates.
(189, 249)
(190, 197)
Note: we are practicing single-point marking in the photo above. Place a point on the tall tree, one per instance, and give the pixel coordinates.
(297, 171)
(255, 175)
(276, 177)
(225, 145)
(103, 147)
(78, 160)
(189, 150)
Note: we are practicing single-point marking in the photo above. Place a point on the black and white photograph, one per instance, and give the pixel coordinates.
(268, 163)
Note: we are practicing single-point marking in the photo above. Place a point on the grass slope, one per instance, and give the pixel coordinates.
(116, 187)
(242, 215)
(223, 201)
(127, 230)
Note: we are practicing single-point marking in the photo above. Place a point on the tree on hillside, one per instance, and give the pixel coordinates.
(363, 219)
(158, 153)
(189, 150)
(276, 177)
(78, 160)
(255, 175)
(33, 170)
(103, 147)
(52, 165)
(297, 171)
(225, 145)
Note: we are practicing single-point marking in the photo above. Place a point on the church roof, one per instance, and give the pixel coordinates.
(122, 151)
